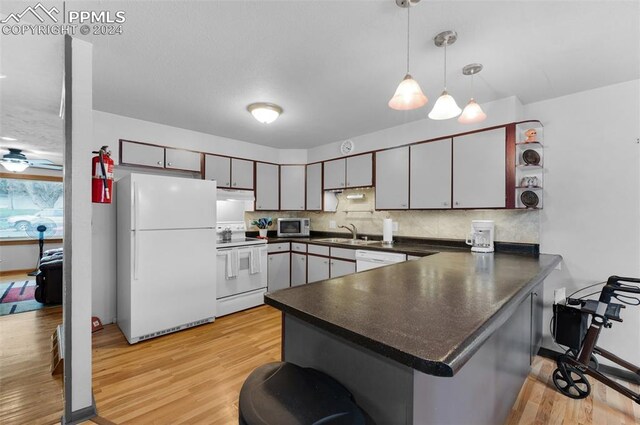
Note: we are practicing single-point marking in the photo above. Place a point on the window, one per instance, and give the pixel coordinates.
(31, 206)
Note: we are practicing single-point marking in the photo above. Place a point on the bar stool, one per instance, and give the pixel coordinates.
(283, 393)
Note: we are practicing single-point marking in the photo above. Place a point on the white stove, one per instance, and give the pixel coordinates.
(241, 276)
(238, 235)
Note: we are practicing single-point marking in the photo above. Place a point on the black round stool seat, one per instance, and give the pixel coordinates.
(282, 393)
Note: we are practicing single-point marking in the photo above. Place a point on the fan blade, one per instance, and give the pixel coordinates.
(44, 164)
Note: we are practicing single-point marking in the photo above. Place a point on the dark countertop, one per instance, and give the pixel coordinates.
(430, 314)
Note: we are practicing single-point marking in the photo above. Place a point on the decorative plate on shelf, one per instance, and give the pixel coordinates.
(531, 157)
(529, 199)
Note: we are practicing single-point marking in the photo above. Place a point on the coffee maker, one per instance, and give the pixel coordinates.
(481, 237)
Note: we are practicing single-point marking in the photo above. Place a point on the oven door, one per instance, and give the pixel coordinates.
(244, 278)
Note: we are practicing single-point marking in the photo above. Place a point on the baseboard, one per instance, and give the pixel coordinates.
(4, 273)
(616, 372)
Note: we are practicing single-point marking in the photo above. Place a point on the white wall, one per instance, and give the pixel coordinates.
(499, 112)
(109, 128)
(591, 214)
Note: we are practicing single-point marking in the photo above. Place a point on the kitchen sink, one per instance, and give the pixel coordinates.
(347, 241)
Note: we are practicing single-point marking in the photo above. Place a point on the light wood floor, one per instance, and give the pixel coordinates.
(194, 376)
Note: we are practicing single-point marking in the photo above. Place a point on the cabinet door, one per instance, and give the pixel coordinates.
(218, 168)
(298, 269)
(314, 187)
(317, 268)
(537, 309)
(241, 174)
(334, 174)
(360, 170)
(138, 154)
(392, 179)
(278, 271)
(292, 185)
(267, 187)
(342, 268)
(430, 184)
(479, 175)
(179, 159)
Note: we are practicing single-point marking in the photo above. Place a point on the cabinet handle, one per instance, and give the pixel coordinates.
(270, 258)
(403, 205)
(332, 263)
(457, 203)
(226, 183)
(445, 203)
(159, 162)
(302, 259)
(169, 164)
(234, 183)
(326, 262)
(348, 183)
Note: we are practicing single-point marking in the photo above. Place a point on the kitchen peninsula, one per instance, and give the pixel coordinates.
(415, 341)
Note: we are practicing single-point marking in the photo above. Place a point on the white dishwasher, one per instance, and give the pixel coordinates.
(367, 260)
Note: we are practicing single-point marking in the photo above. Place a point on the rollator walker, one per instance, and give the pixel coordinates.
(570, 329)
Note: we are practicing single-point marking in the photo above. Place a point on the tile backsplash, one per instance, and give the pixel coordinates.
(511, 225)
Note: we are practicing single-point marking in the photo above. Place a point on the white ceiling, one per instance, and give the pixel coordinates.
(333, 65)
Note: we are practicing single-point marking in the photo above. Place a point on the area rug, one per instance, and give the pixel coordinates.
(18, 297)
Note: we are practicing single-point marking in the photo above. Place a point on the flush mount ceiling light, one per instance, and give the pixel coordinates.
(472, 113)
(408, 95)
(446, 106)
(266, 113)
(14, 161)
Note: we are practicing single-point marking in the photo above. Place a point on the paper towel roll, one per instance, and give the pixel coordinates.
(387, 230)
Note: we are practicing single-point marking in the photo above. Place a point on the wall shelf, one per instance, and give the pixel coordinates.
(525, 174)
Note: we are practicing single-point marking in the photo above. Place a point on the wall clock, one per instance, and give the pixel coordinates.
(347, 147)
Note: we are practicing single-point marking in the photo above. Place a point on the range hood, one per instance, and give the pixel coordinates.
(235, 195)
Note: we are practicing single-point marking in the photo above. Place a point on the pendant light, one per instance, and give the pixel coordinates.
(446, 106)
(14, 161)
(408, 95)
(472, 113)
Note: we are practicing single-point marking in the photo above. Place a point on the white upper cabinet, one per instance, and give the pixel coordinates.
(292, 184)
(179, 159)
(132, 153)
(241, 174)
(218, 168)
(360, 170)
(267, 186)
(334, 174)
(479, 170)
(431, 175)
(314, 187)
(392, 179)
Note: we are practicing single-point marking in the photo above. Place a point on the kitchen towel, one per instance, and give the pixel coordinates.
(254, 261)
(233, 264)
(387, 230)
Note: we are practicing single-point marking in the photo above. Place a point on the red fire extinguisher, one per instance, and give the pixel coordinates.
(102, 173)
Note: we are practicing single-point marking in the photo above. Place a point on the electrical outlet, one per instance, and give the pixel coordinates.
(395, 226)
(559, 295)
(332, 224)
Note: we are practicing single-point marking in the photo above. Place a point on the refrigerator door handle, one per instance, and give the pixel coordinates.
(135, 255)
(135, 205)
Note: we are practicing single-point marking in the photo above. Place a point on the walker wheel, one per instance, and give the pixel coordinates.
(571, 382)
(593, 362)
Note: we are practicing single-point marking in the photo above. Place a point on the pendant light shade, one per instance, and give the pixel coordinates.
(445, 108)
(472, 113)
(408, 95)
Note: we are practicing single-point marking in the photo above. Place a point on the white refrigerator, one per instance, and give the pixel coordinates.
(166, 252)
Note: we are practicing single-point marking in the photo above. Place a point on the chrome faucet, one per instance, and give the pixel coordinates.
(354, 231)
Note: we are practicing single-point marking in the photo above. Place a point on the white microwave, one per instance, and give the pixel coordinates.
(293, 227)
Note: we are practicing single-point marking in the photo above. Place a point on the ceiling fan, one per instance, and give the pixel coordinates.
(16, 161)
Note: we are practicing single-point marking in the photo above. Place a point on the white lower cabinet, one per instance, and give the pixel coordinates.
(278, 271)
(342, 268)
(317, 268)
(298, 269)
